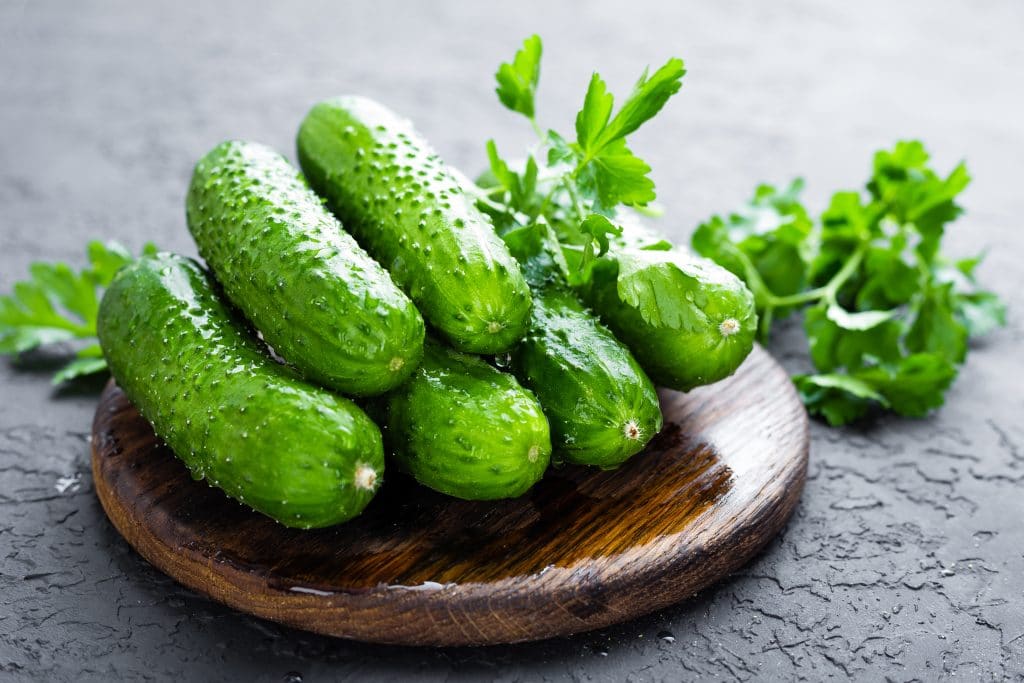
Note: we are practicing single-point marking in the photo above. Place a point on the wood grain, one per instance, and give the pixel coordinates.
(581, 550)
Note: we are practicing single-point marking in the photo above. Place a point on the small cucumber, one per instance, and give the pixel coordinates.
(250, 426)
(318, 299)
(463, 428)
(414, 215)
(710, 348)
(601, 406)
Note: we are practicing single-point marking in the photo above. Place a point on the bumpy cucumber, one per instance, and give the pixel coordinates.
(706, 352)
(601, 406)
(250, 426)
(413, 214)
(318, 299)
(463, 428)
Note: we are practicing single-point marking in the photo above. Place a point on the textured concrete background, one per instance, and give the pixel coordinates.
(905, 559)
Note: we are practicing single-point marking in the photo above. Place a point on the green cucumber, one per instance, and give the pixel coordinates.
(318, 299)
(601, 406)
(722, 321)
(463, 428)
(245, 423)
(415, 216)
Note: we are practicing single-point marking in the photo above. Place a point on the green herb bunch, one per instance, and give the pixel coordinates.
(887, 315)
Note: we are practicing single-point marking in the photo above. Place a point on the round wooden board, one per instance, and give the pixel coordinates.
(581, 550)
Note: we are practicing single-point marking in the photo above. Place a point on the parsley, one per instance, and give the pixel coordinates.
(887, 316)
(517, 80)
(577, 184)
(58, 305)
(596, 172)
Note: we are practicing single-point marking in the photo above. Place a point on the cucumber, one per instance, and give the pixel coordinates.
(414, 215)
(463, 428)
(318, 299)
(601, 406)
(712, 347)
(248, 425)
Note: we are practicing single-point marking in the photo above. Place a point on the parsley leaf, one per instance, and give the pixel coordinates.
(79, 367)
(60, 305)
(980, 312)
(648, 97)
(518, 79)
(656, 284)
(915, 385)
(936, 328)
(517, 189)
(537, 249)
(593, 117)
(617, 176)
(837, 397)
(607, 170)
(597, 227)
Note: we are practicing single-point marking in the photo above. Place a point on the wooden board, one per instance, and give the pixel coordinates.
(581, 550)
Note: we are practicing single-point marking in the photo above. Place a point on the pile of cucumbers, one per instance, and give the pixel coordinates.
(365, 311)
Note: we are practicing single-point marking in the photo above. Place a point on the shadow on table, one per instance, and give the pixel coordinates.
(42, 364)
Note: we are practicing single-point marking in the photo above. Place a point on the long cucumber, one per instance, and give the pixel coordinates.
(601, 406)
(237, 418)
(318, 299)
(720, 317)
(415, 216)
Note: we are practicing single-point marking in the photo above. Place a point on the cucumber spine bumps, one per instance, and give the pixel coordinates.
(415, 216)
(601, 406)
(720, 313)
(249, 425)
(461, 427)
(318, 299)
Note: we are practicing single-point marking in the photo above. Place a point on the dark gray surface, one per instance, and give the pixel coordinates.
(904, 560)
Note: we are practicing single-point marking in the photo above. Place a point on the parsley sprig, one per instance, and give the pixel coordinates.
(596, 171)
(887, 315)
(578, 184)
(59, 306)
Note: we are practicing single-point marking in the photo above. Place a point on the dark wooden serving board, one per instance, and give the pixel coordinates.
(581, 550)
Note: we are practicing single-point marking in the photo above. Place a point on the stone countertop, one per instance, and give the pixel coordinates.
(905, 558)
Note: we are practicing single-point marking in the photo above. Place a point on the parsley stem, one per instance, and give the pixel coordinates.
(765, 323)
(795, 299)
(536, 127)
(845, 273)
(577, 204)
(828, 291)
